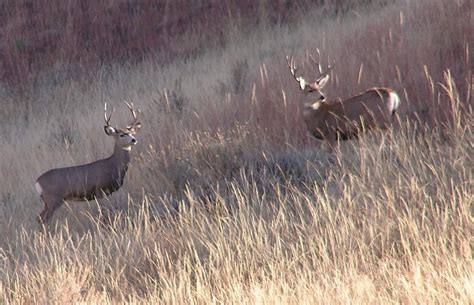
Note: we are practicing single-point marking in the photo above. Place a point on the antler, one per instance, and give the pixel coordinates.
(135, 122)
(293, 68)
(299, 79)
(328, 70)
(107, 118)
(318, 64)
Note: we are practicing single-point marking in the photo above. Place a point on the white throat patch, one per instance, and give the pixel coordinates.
(313, 105)
(316, 105)
(38, 187)
(302, 83)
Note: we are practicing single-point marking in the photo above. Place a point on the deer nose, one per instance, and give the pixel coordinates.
(134, 141)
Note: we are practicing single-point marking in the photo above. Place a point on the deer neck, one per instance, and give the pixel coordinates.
(120, 159)
(312, 108)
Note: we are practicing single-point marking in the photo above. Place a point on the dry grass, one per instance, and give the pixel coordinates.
(263, 217)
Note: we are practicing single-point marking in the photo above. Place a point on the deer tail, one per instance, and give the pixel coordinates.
(393, 102)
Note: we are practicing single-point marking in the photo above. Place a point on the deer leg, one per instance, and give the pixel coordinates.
(50, 205)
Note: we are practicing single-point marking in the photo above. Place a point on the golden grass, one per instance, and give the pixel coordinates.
(228, 201)
(371, 229)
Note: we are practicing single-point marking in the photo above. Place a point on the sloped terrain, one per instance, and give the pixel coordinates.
(227, 199)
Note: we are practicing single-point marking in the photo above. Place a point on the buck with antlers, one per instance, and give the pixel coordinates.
(342, 119)
(93, 180)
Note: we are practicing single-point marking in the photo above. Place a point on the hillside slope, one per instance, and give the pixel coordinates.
(264, 215)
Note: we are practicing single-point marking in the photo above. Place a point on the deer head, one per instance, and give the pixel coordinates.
(315, 88)
(124, 137)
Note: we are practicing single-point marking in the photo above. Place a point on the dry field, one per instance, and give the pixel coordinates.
(227, 199)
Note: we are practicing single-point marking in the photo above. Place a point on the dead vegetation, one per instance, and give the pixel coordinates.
(227, 199)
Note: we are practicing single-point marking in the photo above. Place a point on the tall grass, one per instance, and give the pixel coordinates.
(227, 200)
(287, 229)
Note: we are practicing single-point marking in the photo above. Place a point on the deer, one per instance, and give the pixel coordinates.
(93, 180)
(342, 119)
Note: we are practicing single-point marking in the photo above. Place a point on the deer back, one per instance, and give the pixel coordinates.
(371, 109)
(85, 181)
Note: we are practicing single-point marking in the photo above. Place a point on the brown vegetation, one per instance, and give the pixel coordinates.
(37, 34)
(263, 217)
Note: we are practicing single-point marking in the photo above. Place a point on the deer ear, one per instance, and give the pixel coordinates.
(302, 83)
(323, 81)
(136, 127)
(109, 130)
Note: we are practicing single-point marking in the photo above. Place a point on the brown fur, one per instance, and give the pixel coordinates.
(346, 119)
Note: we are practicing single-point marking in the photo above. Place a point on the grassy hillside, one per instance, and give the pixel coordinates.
(85, 34)
(264, 217)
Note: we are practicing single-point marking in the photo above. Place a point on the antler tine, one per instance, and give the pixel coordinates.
(329, 69)
(134, 114)
(107, 118)
(292, 67)
(130, 106)
(317, 62)
(331, 66)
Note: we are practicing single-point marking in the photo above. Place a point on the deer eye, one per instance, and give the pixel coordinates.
(122, 135)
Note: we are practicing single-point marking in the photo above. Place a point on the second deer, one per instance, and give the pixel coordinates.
(93, 180)
(343, 119)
